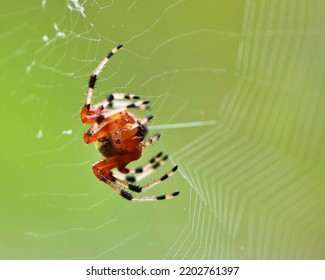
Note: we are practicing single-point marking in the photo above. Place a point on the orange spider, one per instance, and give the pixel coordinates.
(120, 138)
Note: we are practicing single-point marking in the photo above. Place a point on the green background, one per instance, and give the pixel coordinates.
(237, 90)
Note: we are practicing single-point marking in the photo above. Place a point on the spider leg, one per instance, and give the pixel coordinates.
(131, 197)
(97, 113)
(138, 189)
(149, 164)
(89, 115)
(87, 111)
(111, 98)
(142, 171)
(108, 102)
(151, 140)
(102, 170)
(99, 68)
(114, 96)
(122, 105)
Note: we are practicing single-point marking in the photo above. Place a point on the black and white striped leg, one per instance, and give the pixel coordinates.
(93, 76)
(112, 98)
(137, 188)
(148, 165)
(138, 173)
(116, 101)
(152, 139)
(127, 105)
(108, 102)
(127, 195)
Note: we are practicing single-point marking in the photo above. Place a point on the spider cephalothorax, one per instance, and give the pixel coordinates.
(120, 137)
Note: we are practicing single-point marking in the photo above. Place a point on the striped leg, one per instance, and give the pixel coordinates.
(102, 171)
(152, 139)
(148, 165)
(131, 197)
(90, 113)
(122, 105)
(111, 101)
(108, 102)
(138, 189)
(141, 172)
(93, 76)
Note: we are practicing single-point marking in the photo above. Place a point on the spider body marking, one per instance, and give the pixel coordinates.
(120, 137)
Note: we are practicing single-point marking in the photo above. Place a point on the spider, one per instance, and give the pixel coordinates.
(120, 138)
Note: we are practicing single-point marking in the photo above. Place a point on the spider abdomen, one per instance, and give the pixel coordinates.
(107, 147)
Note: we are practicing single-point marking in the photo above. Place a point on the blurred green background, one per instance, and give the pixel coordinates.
(237, 90)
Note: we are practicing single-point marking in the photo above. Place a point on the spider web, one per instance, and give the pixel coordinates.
(236, 91)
